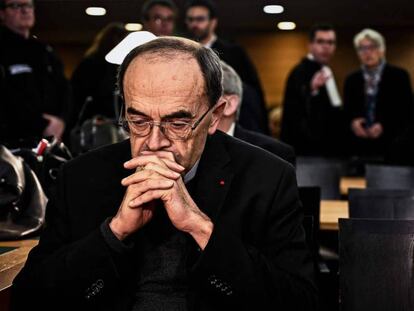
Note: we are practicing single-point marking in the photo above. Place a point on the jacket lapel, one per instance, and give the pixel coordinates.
(214, 176)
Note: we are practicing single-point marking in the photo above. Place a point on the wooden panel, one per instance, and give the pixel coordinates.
(331, 211)
(275, 54)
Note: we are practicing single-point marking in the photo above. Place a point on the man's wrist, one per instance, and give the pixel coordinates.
(115, 228)
(201, 233)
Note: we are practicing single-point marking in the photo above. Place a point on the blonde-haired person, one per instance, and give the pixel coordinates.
(378, 98)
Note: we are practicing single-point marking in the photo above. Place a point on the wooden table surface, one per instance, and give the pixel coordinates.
(331, 211)
(352, 182)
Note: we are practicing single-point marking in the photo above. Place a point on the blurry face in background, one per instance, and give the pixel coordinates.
(161, 20)
(323, 46)
(199, 24)
(369, 53)
(18, 15)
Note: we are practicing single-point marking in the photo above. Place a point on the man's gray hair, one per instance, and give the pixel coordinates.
(232, 84)
(169, 47)
(371, 35)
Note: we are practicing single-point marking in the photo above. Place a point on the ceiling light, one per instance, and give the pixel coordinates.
(286, 25)
(273, 9)
(95, 11)
(133, 27)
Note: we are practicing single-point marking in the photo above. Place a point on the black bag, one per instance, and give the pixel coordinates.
(22, 200)
(45, 161)
(94, 133)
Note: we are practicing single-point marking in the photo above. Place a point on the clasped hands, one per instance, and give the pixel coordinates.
(158, 176)
(360, 130)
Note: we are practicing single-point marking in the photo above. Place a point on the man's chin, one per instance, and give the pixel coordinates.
(199, 37)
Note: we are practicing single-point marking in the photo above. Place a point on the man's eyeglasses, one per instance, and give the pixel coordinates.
(173, 130)
(196, 19)
(162, 19)
(19, 5)
(327, 42)
(365, 48)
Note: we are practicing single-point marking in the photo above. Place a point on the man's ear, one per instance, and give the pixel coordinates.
(232, 105)
(213, 24)
(216, 115)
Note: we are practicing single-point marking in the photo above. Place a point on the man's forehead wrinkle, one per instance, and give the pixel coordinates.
(185, 82)
(165, 56)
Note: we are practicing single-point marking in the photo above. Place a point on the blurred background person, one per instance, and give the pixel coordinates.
(94, 80)
(378, 98)
(201, 21)
(233, 93)
(35, 95)
(158, 17)
(311, 121)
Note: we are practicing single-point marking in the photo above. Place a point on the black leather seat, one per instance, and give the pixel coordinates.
(381, 203)
(319, 172)
(376, 264)
(310, 198)
(389, 177)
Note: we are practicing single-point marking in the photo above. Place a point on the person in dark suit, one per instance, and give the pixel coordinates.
(36, 97)
(312, 115)
(232, 93)
(201, 22)
(378, 98)
(195, 220)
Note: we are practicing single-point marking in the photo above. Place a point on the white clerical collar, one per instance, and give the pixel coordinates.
(191, 173)
(210, 42)
(231, 129)
(310, 57)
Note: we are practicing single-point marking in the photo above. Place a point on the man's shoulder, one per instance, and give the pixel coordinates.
(270, 144)
(393, 70)
(228, 46)
(354, 76)
(305, 68)
(244, 154)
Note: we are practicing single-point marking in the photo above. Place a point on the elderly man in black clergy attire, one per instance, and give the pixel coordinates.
(201, 21)
(178, 217)
(312, 121)
(233, 93)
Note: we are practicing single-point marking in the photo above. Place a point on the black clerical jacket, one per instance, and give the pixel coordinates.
(310, 124)
(256, 258)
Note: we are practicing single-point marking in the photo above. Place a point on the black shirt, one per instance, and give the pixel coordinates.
(32, 83)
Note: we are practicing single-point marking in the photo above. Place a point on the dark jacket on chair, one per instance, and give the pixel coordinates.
(270, 144)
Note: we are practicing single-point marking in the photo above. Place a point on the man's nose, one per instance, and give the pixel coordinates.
(156, 139)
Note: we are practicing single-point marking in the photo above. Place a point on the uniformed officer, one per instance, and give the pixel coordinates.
(34, 94)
